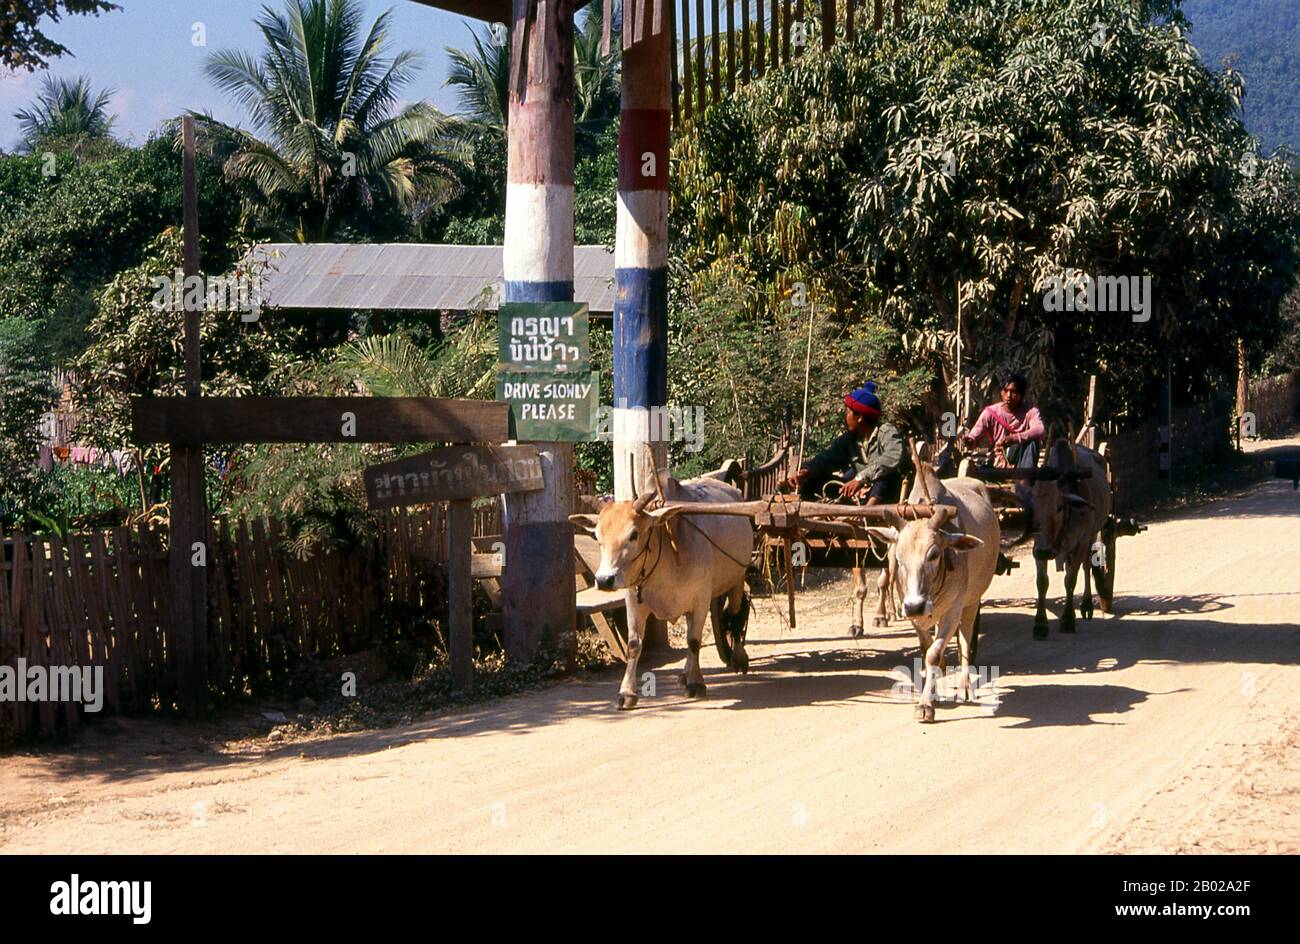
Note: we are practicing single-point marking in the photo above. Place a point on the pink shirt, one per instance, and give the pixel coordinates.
(1003, 426)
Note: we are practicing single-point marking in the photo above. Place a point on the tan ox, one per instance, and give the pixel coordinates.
(712, 555)
(1068, 514)
(942, 569)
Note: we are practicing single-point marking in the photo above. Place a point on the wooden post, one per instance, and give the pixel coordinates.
(538, 596)
(460, 615)
(189, 610)
(684, 27)
(1242, 388)
(641, 274)
(828, 22)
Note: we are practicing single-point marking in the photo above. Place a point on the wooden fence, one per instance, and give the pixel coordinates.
(1275, 401)
(102, 599)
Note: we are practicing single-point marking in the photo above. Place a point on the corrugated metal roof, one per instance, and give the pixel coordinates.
(409, 276)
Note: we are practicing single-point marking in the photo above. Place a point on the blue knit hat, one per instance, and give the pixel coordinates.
(864, 400)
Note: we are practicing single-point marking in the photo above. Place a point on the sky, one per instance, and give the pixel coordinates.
(147, 52)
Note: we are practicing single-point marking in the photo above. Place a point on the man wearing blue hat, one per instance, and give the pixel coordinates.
(873, 449)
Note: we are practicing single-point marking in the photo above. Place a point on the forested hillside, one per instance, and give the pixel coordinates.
(1261, 40)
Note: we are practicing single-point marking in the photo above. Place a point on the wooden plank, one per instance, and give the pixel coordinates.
(594, 600)
(127, 592)
(745, 74)
(786, 14)
(731, 46)
(760, 41)
(629, 19)
(196, 421)
(898, 14)
(491, 11)
(849, 10)
(187, 629)
(701, 78)
(606, 26)
(454, 472)
(672, 60)
(878, 20)
(828, 22)
(715, 53)
(460, 615)
(684, 44)
(606, 630)
(108, 603)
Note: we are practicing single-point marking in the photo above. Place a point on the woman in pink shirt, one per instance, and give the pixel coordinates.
(1013, 429)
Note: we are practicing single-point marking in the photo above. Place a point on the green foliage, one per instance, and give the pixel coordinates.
(136, 348)
(1260, 39)
(65, 234)
(331, 153)
(67, 115)
(23, 45)
(318, 489)
(747, 371)
(1001, 144)
(24, 393)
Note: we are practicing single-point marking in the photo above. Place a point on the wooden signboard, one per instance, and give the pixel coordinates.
(552, 336)
(193, 421)
(454, 473)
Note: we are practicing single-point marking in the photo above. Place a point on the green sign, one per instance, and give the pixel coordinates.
(551, 406)
(543, 336)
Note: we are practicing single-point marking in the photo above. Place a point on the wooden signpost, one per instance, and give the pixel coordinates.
(456, 475)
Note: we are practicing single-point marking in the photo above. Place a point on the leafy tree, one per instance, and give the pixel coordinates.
(24, 395)
(1000, 145)
(23, 45)
(68, 115)
(331, 154)
(65, 234)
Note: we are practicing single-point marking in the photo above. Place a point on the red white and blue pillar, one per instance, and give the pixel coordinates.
(641, 262)
(538, 588)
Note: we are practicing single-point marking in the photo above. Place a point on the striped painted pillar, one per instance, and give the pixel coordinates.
(538, 586)
(641, 262)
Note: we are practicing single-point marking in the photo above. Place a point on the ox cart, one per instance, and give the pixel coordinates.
(798, 533)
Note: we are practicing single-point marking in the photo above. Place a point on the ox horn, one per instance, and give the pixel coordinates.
(640, 504)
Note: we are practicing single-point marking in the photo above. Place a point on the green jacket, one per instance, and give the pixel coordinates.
(879, 455)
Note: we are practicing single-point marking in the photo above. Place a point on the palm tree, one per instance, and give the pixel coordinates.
(67, 114)
(481, 75)
(330, 151)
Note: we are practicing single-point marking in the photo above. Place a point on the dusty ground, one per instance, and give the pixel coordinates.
(1173, 727)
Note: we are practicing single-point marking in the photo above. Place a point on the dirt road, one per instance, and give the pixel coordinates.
(1172, 727)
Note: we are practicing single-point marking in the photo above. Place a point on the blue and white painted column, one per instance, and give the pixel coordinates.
(641, 264)
(538, 586)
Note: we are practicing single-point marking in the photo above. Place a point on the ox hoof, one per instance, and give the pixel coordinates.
(855, 630)
(695, 689)
(1067, 627)
(740, 663)
(1040, 630)
(880, 622)
(626, 702)
(924, 714)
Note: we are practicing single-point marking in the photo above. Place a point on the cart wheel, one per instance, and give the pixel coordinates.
(722, 640)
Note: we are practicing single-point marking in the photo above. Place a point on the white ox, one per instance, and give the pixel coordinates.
(941, 570)
(710, 560)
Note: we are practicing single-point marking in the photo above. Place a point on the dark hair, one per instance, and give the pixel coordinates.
(1015, 379)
